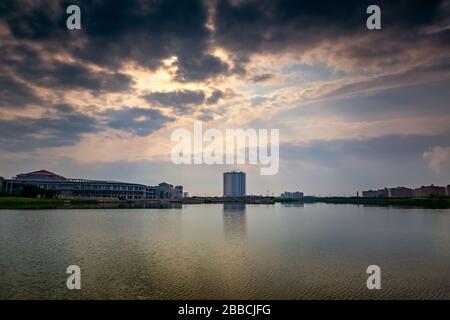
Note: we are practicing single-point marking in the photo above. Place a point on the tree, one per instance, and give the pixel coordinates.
(32, 191)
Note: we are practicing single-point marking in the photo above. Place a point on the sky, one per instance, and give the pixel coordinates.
(356, 109)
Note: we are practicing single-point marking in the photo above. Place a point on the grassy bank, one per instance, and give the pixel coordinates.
(33, 203)
(28, 203)
(443, 202)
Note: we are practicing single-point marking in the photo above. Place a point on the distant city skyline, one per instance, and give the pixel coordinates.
(356, 109)
(234, 184)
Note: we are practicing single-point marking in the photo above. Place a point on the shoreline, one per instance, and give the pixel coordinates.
(430, 203)
(34, 203)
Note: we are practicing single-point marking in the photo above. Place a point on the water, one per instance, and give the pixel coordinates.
(226, 252)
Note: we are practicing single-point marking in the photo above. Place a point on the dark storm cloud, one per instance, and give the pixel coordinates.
(266, 24)
(63, 128)
(146, 32)
(149, 31)
(181, 100)
(64, 125)
(192, 68)
(28, 64)
(34, 20)
(262, 77)
(15, 94)
(215, 96)
(140, 31)
(137, 121)
(64, 108)
(205, 117)
(247, 27)
(75, 76)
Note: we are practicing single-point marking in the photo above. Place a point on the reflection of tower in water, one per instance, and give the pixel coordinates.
(234, 220)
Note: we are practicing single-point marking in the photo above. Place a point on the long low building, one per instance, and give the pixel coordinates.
(292, 195)
(81, 188)
(430, 191)
(402, 192)
(380, 193)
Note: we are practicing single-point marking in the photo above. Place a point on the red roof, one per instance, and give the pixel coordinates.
(42, 172)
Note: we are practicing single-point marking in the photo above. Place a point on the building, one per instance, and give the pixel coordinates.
(401, 192)
(165, 190)
(81, 188)
(292, 195)
(448, 190)
(2, 181)
(234, 184)
(380, 193)
(430, 191)
(177, 192)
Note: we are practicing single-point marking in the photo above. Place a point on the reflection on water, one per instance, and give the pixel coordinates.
(123, 205)
(226, 251)
(234, 221)
(234, 207)
(293, 204)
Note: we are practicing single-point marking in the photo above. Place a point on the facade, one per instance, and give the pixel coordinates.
(430, 191)
(292, 195)
(165, 190)
(401, 192)
(65, 187)
(234, 184)
(380, 193)
(177, 192)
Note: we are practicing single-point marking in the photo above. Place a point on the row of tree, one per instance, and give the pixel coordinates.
(31, 191)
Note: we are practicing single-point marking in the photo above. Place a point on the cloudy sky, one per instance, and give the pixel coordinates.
(356, 109)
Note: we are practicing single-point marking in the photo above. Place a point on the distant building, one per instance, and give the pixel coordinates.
(370, 194)
(81, 188)
(2, 180)
(177, 192)
(401, 192)
(165, 190)
(448, 190)
(292, 195)
(380, 193)
(234, 184)
(430, 191)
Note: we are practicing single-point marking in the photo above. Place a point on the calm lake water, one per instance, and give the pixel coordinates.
(219, 251)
